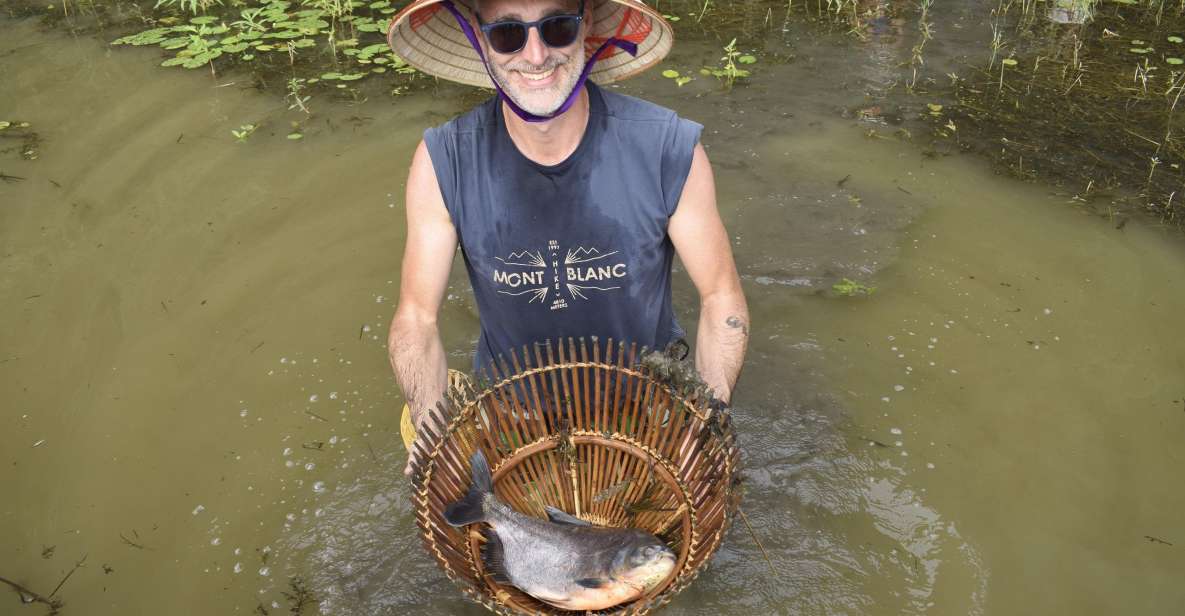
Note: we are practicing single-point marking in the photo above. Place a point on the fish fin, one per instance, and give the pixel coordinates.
(559, 517)
(593, 582)
(469, 510)
(493, 556)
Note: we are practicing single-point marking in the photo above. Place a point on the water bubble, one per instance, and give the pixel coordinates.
(333, 395)
(242, 412)
(1048, 311)
(884, 398)
(895, 431)
(290, 464)
(319, 487)
(198, 509)
(929, 465)
(290, 517)
(898, 388)
(216, 541)
(264, 571)
(313, 398)
(283, 360)
(287, 451)
(333, 440)
(238, 551)
(898, 443)
(310, 466)
(238, 567)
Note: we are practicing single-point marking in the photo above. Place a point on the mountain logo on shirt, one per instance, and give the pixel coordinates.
(580, 272)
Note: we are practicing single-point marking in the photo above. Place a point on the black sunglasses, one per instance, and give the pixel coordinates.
(507, 37)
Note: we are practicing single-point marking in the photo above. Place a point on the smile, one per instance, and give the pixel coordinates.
(537, 77)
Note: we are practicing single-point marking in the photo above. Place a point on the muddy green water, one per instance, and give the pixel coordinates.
(196, 397)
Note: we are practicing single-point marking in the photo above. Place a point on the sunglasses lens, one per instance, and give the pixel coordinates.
(560, 31)
(507, 38)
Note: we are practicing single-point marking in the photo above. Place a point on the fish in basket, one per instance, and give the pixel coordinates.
(569, 448)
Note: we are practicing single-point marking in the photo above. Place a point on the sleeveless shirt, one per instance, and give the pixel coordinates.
(574, 249)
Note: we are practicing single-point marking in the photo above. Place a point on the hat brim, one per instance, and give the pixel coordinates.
(427, 36)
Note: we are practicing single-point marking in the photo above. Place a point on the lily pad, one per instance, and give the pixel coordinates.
(295, 136)
(934, 107)
(1174, 60)
(4, 125)
(1176, 39)
(747, 59)
(670, 74)
(1008, 62)
(1140, 50)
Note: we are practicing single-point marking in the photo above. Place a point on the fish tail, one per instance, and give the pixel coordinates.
(471, 509)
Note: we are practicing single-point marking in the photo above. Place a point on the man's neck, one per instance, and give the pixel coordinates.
(553, 141)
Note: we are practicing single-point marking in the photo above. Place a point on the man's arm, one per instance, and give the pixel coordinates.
(702, 244)
(413, 345)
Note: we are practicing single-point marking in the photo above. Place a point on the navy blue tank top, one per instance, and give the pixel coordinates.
(574, 249)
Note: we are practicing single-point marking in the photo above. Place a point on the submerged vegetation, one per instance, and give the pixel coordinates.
(1095, 107)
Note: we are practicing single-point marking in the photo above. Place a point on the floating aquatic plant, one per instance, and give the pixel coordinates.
(274, 28)
(679, 79)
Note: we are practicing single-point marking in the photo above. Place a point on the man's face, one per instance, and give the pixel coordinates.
(538, 78)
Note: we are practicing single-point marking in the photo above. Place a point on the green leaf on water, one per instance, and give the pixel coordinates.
(1008, 62)
(747, 59)
(670, 74)
(295, 136)
(1176, 39)
(247, 57)
(934, 107)
(705, 72)
(671, 17)
(351, 76)
(378, 69)
(1137, 42)
(204, 19)
(1174, 60)
(682, 80)
(329, 76)
(4, 125)
(1140, 50)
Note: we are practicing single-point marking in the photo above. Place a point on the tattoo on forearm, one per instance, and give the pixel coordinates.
(736, 322)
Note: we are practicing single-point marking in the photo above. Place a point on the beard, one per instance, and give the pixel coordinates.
(541, 101)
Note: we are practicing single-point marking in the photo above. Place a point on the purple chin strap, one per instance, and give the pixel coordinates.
(627, 46)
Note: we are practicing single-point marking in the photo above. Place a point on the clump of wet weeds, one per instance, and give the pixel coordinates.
(1095, 108)
(850, 288)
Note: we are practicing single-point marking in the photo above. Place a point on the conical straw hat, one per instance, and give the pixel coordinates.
(427, 36)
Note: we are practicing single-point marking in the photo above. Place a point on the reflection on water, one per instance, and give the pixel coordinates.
(198, 398)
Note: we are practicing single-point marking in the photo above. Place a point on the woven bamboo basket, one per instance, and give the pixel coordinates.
(591, 430)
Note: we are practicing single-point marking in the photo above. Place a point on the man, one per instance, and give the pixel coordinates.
(568, 201)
